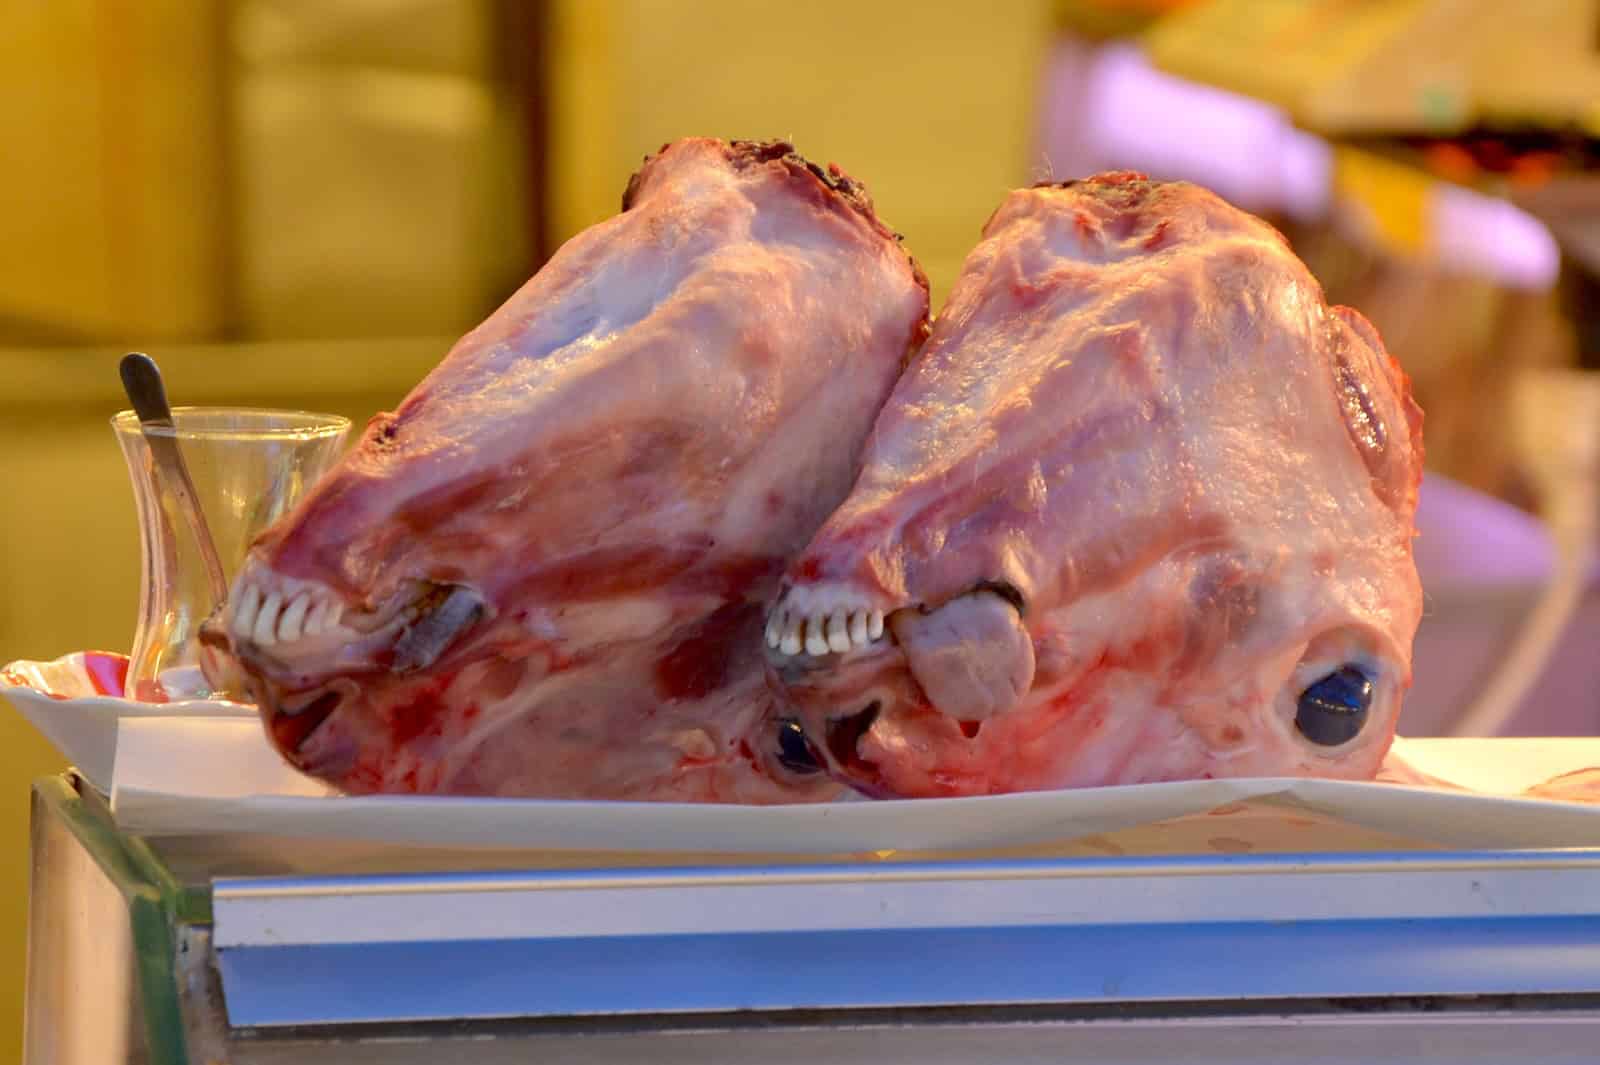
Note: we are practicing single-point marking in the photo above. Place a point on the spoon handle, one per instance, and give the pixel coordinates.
(141, 379)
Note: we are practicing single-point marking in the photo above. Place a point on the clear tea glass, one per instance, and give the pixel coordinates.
(248, 467)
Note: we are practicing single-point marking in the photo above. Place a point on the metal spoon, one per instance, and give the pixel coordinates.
(141, 380)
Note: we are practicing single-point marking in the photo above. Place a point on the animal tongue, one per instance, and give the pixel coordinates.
(972, 657)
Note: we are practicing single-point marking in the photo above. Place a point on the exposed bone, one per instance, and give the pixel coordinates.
(421, 645)
(695, 743)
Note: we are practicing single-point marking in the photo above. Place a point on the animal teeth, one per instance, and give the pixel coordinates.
(838, 632)
(265, 631)
(244, 615)
(816, 639)
(294, 611)
(791, 643)
(315, 617)
(289, 627)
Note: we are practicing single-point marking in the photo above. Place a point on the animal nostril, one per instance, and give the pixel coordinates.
(845, 732)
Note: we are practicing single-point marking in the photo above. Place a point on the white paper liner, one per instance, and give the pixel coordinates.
(205, 768)
(195, 776)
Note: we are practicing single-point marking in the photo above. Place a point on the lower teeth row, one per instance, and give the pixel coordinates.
(823, 634)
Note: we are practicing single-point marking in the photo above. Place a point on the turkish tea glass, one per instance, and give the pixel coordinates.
(249, 467)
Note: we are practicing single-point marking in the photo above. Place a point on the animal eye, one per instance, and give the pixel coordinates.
(794, 750)
(1332, 710)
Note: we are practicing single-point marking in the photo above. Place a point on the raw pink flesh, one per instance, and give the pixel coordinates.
(1137, 412)
(619, 462)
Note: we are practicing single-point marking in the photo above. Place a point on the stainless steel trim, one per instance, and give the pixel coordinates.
(555, 905)
(396, 949)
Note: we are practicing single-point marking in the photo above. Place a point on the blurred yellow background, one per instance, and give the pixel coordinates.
(303, 202)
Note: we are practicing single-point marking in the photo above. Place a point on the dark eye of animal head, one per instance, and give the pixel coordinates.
(794, 750)
(1334, 709)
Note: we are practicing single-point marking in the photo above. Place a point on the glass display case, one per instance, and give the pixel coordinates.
(260, 949)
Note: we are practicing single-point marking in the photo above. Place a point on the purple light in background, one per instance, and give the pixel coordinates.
(1468, 541)
(1485, 235)
(1247, 151)
(1109, 108)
